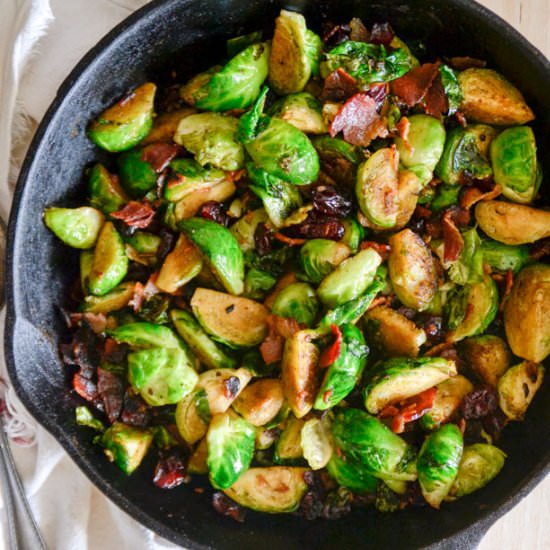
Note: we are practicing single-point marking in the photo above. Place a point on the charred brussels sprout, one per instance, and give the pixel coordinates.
(105, 191)
(526, 313)
(234, 86)
(479, 465)
(112, 301)
(211, 137)
(76, 227)
(223, 386)
(126, 445)
(346, 370)
(514, 158)
(193, 416)
(127, 122)
(288, 449)
(487, 355)
(339, 159)
(230, 441)
(438, 463)
(503, 257)
(319, 257)
(298, 301)
(316, 442)
(302, 110)
(260, 402)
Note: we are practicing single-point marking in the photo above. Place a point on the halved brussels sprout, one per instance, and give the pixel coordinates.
(137, 176)
(162, 376)
(220, 249)
(446, 195)
(126, 445)
(511, 223)
(319, 257)
(471, 309)
(165, 126)
(468, 267)
(193, 416)
(353, 234)
(517, 388)
(77, 227)
(350, 279)
(344, 373)
(314, 51)
(490, 98)
(503, 257)
(289, 64)
(488, 356)
(127, 122)
(298, 301)
(235, 86)
(211, 137)
(399, 378)
(110, 263)
(142, 335)
(392, 333)
(231, 320)
(412, 270)
(237, 44)
(112, 301)
(423, 148)
(144, 242)
(299, 372)
(106, 194)
(84, 417)
(408, 191)
(244, 228)
(223, 386)
(480, 464)
(514, 158)
(197, 461)
(438, 463)
(377, 188)
(347, 475)
(288, 449)
(261, 401)
(257, 282)
(272, 490)
(230, 441)
(526, 313)
(316, 442)
(450, 394)
(302, 110)
(339, 159)
(207, 351)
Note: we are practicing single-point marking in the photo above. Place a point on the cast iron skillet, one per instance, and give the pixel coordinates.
(40, 269)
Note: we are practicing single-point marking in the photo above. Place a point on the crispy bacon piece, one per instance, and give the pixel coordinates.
(280, 328)
(381, 248)
(111, 390)
(96, 321)
(158, 155)
(288, 240)
(331, 353)
(339, 86)
(86, 388)
(413, 86)
(170, 471)
(411, 409)
(335, 34)
(463, 63)
(472, 195)
(435, 101)
(135, 411)
(135, 214)
(403, 127)
(452, 238)
(359, 121)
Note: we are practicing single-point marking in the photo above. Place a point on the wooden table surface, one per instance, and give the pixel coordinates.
(527, 526)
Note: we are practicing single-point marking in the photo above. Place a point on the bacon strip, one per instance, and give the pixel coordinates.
(339, 86)
(280, 328)
(452, 238)
(111, 391)
(472, 195)
(413, 86)
(158, 155)
(135, 214)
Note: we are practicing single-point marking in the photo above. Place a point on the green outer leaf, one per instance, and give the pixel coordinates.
(105, 193)
(314, 49)
(239, 43)
(452, 88)
(221, 250)
(351, 475)
(145, 335)
(503, 257)
(85, 418)
(202, 406)
(447, 195)
(468, 268)
(136, 175)
(319, 257)
(298, 301)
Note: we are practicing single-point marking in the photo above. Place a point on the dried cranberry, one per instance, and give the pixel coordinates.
(378, 92)
(311, 506)
(317, 226)
(232, 385)
(135, 411)
(433, 326)
(328, 201)
(494, 422)
(111, 391)
(226, 507)
(381, 33)
(167, 240)
(479, 403)
(214, 211)
(262, 239)
(170, 471)
(335, 34)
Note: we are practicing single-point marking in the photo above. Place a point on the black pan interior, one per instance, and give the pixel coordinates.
(185, 35)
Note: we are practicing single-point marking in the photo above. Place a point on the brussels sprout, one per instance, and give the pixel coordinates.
(367, 63)
(298, 301)
(84, 417)
(468, 268)
(181, 265)
(110, 263)
(409, 188)
(105, 191)
(302, 110)
(392, 333)
(236, 85)
(412, 270)
(370, 446)
(280, 198)
(165, 126)
(220, 249)
(112, 301)
(399, 378)
(314, 51)
(231, 320)
(526, 313)
(503, 257)
(462, 155)
(319, 257)
(244, 228)
(471, 309)
(288, 449)
(517, 388)
(162, 376)
(424, 146)
(223, 386)
(197, 461)
(126, 445)
(77, 227)
(344, 373)
(316, 443)
(257, 282)
(353, 234)
(350, 279)
(127, 122)
(480, 464)
(290, 62)
(299, 372)
(144, 242)
(347, 475)
(511, 223)
(230, 441)
(193, 416)
(211, 137)
(145, 335)
(272, 490)
(447, 195)
(207, 351)
(377, 188)
(450, 394)
(514, 158)
(239, 43)
(490, 98)
(260, 402)
(339, 158)
(387, 501)
(188, 177)
(137, 176)
(452, 88)
(438, 463)
(488, 356)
